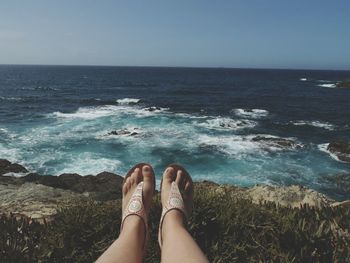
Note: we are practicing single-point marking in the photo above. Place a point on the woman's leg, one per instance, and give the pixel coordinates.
(129, 247)
(177, 244)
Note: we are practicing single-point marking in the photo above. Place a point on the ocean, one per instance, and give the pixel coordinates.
(234, 126)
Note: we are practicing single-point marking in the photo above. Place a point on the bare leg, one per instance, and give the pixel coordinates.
(178, 245)
(129, 247)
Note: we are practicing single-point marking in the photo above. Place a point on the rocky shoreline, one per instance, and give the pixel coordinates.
(39, 197)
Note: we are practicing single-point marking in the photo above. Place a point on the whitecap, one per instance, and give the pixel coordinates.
(323, 81)
(251, 113)
(241, 145)
(94, 112)
(222, 123)
(303, 79)
(88, 112)
(11, 98)
(191, 116)
(327, 85)
(128, 101)
(155, 109)
(318, 124)
(3, 130)
(234, 145)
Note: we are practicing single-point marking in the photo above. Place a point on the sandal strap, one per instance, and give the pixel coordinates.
(174, 202)
(136, 207)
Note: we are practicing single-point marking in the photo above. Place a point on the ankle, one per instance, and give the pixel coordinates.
(173, 220)
(134, 225)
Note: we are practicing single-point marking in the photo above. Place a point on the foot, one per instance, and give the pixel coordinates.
(141, 172)
(180, 176)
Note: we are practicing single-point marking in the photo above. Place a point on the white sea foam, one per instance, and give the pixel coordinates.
(128, 101)
(318, 124)
(88, 163)
(15, 174)
(241, 145)
(222, 123)
(327, 85)
(3, 130)
(323, 81)
(8, 153)
(251, 113)
(95, 112)
(303, 79)
(11, 98)
(231, 145)
(191, 116)
(323, 148)
(89, 112)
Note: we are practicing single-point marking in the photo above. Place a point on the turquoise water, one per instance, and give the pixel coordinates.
(58, 119)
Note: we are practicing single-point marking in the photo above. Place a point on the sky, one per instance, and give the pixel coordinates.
(300, 34)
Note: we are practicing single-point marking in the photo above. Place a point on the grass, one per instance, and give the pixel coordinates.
(226, 228)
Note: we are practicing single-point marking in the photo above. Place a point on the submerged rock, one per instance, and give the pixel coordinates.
(279, 142)
(8, 167)
(152, 108)
(343, 84)
(127, 132)
(341, 149)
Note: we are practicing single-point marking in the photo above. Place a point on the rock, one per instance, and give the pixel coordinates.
(132, 132)
(152, 109)
(341, 149)
(103, 186)
(293, 196)
(343, 84)
(279, 142)
(8, 167)
(35, 201)
(345, 203)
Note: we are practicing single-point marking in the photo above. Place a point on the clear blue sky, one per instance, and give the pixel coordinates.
(203, 33)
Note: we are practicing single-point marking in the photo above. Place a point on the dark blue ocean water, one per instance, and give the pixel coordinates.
(56, 119)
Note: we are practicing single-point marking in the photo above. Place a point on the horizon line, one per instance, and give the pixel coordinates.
(188, 67)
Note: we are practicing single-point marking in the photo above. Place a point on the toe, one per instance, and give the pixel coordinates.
(169, 175)
(147, 174)
(179, 178)
(137, 175)
(188, 186)
(126, 186)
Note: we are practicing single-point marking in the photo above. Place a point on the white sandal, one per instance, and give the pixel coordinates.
(135, 205)
(174, 202)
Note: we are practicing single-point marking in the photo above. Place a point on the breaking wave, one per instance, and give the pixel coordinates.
(318, 124)
(251, 113)
(128, 101)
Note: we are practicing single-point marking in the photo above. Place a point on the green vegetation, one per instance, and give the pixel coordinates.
(227, 229)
